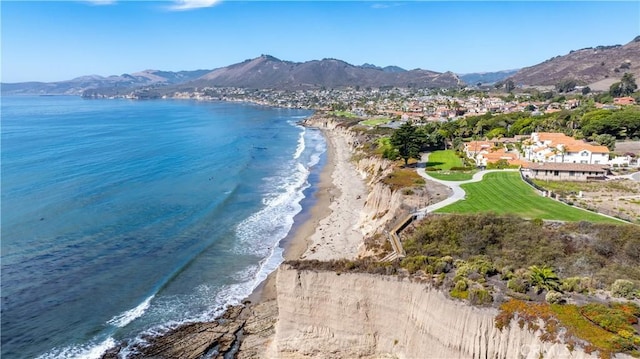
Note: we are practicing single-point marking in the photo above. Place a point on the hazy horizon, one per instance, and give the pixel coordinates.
(62, 40)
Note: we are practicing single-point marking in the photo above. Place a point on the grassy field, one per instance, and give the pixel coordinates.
(452, 175)
(346, 114)
(505, 192)
(375, 121)
(444, 161)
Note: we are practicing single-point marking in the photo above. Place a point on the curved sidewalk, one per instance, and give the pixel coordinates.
(458, 192)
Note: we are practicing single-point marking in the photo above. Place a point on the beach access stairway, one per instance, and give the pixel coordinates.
(394, 238)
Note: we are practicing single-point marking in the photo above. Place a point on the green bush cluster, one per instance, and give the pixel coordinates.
(479, 296)
(553, 297)
(576, 284)
(428, 264)
(606, 251)
(623, 288)
(518, 285)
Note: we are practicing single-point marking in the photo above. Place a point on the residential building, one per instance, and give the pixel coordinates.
(560, 148)
(624, 101)
(564, 171)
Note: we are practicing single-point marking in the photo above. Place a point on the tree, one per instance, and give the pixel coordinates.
(408, 141)
(586, 90)
(566, 85)
(606, 140)
(625, 87)
(509, 86)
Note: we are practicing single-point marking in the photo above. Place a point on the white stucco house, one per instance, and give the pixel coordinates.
(552, 147)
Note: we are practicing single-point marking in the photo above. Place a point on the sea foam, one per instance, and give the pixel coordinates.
(131, 315)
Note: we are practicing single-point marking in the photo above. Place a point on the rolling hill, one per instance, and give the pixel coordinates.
(591, 66)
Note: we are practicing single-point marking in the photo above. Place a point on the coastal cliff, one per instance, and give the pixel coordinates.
(331, 315)
(382, 205)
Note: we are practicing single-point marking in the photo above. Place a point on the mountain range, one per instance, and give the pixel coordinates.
(598, 66)
(262, 72)
(80, 84)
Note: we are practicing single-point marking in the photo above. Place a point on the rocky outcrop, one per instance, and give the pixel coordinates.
(242, 331)
(355, 315)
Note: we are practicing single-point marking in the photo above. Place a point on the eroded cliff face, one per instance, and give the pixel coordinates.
(382, 205)
(330, 315)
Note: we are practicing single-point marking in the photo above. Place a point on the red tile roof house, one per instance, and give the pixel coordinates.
(624, 101)
(558, 147)
(485, 152)
(564, 171)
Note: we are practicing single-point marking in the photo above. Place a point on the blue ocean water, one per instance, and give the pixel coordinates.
(127, 217)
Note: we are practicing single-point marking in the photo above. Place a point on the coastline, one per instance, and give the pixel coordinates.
(327, 228)
(298, 241)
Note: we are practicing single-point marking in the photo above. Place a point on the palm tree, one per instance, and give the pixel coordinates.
(544, 278)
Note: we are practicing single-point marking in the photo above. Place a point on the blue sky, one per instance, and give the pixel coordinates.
(60, 40)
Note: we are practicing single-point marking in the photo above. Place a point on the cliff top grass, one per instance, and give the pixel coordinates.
(403, 178)
(506, 193)
(345, 114)
(375, 121)
(442, 162)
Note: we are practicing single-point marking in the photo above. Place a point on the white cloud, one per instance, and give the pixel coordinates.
(181, 5)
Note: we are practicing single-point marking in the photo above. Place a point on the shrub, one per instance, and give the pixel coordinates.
(413, 264)
(573, 284)
(518, 285)
(461, 285)
(623, 288)
(480, 296)
(506, 273)
(441, 266)
(459, 294)
(554, 297)
(544, 278)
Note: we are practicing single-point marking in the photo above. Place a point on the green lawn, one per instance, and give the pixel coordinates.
(451, 175)
(346, 114)
(375, 121)
(443, 161)
(505, 192)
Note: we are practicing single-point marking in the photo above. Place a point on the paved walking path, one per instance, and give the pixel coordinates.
(458, 192)
(633, 176)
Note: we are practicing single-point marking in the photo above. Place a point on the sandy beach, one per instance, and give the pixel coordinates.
(336, 234)
(332, 230)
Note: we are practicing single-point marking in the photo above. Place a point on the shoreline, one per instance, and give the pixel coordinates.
(298, 240)
(327, 228)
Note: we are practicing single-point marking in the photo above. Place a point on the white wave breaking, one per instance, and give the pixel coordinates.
(90, 350)
(129, 316)
(301, 144)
